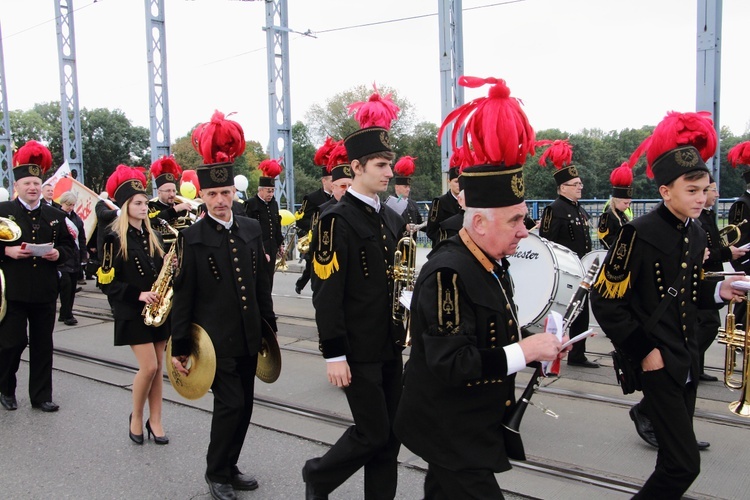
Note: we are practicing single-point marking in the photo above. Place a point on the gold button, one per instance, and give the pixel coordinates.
(237, 269)
(244, 299)
(493, 339)
(244, 308)
(242, 288)
(234, 250)
(236, 259)
(684, 328)
(492, 323)
(684, 265)
(508, 403)
(239, 279)
(510, 322)
(512, 337)
(687, 241)
(231, 240)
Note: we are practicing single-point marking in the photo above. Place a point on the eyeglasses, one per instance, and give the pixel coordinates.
(573, 184)
(168, 191)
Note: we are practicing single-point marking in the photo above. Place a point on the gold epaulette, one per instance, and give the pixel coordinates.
(614, 278)
(325, 261)
(106, 272)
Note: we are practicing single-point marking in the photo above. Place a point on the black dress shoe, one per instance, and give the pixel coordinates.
(8, 402)
(585, 363)
(243, 482)
(220, 491)
(705, 377)
(298, 289)
(310, 492)
(643, 426)
(71, 321)
(702, 445)
(47, 406)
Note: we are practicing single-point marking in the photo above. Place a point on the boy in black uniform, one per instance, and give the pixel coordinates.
(31, 282)
(265, 209)
(467, 345)
(649, 288)
(402, 203)
(359, 339)
(739, 215)
(566, 223)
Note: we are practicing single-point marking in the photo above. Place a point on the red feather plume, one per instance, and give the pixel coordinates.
(124, 173)
(405, 166)
(33, 153)
(678, 129)
(270, 167)
(461, 158)
(622, 176)
(559, 152)
(377, 111)
(219, 140)
(323, 152)
(337, 156)
(740, 154)
(165, 165)
(495, 127)
(190, 176)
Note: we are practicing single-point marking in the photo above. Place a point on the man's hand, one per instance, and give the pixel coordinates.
(148, 297)
(339, 373)
(653, 361)
(16, 252)
(737, 252)
(52, 255)
(727, 292)
(180, 364)
(181, 207)
(541, 347)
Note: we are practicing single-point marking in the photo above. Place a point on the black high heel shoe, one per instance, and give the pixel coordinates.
(157, 439)
(136, 438)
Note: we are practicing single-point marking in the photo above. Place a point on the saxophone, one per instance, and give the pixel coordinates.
(156, 314)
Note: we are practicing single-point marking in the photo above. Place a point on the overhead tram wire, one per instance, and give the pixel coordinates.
(46, 22)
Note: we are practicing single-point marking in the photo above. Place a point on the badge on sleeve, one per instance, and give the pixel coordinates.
(602, 231)
(325, 262)
(614, 277)
(106, 272)
(546, 219)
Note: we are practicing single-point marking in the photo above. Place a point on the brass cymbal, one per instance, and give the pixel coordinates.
(269, 356)
(201, 364)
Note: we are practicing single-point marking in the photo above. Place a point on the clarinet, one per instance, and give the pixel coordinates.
(512, 420)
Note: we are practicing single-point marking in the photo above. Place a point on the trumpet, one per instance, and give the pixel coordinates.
(9, 232)
(404, 278)
(281, 256)
(736, 341)
(731, 234)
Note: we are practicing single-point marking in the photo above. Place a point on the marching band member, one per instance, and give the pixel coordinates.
(409, 210)
(32, 283)
(132, 257)
(738, 212)
(444, 206)
(614, 215)
(166, 174)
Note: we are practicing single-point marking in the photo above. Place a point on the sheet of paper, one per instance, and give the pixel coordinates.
(580, 336)
(38, 249)
(405, 299)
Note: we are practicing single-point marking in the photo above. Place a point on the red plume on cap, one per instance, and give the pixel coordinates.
(622, 176)
(740, 154)
(495, 126)
(191, 176)
(337, 156)
(220, 140)
(324, 151)
(165, 165)
(678, 129)
(121, 174)
(461, 158)
(270, 168)
(559, 152)
(405, 166)
(33, 153)
(377, 111)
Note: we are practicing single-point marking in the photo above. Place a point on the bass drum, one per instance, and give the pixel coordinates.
(545, 277)
(588, 259)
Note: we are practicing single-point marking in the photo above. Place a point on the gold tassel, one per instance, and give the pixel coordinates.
(610, 290)
(105, 278)
(324, 271)
(151, 215)
(602, 235)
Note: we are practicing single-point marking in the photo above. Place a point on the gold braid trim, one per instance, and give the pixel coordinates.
(325, 261)
(601, 234)
(610, 289)
(106, 272)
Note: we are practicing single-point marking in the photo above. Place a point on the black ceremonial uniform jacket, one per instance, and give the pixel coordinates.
(638, 272)
(739, 211)
(566, 222)
(132, 276)
(34, 279)
(442, 208)
(310, 207)
(456, 389)
(219, 284)
(717, 254)
(452, 225)
(352, 282)
(411, 215)
(104, 217)
(163, 211)
(609, 226)
(270, 222)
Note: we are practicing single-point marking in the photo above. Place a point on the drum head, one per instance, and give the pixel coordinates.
(532, 268)
(588, 259)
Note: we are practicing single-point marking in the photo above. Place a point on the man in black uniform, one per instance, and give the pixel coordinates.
(166, 173)
(656, 258)
(310, 208)
(221, 285)
(31, 281)
(444, 207)
(401, 203)
(739, 215)
(358, 337)
(265, 209)
(566, 223)
(466, 344)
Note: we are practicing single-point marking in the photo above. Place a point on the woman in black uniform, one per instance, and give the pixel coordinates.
(132, 257)
(614, 215)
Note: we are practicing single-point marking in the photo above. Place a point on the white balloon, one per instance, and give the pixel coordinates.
(4, 194)
(241, 182)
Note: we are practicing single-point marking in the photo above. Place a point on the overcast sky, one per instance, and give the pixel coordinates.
(575, 63)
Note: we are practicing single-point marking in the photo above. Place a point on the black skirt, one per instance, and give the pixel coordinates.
(135, 331)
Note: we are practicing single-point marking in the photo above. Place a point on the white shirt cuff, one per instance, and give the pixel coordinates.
(515, 358)
(337, 358)
(717, 294)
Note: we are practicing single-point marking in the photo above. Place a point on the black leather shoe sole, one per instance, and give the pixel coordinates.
(244, 482)
(707, 378)
(47, 406)
(643, 428)
(220, 491)
(9, 402)
(702, 445)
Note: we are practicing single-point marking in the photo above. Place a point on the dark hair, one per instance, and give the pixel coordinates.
(691, 176)
(387, 155)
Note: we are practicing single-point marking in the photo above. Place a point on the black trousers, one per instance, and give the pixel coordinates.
(709, 322)
(373, 398)
(444, 484)
(580, 325)
(233, 389)
(40, 318)
(305, 277)
(670, 406)
(68, 282)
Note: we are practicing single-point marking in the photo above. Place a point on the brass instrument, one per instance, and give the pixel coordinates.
(9, 232)
(281, 256)
(404, 277)
(736, 340)
(201, 363)
(731, 234)
(303, 244)
(156, 314)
